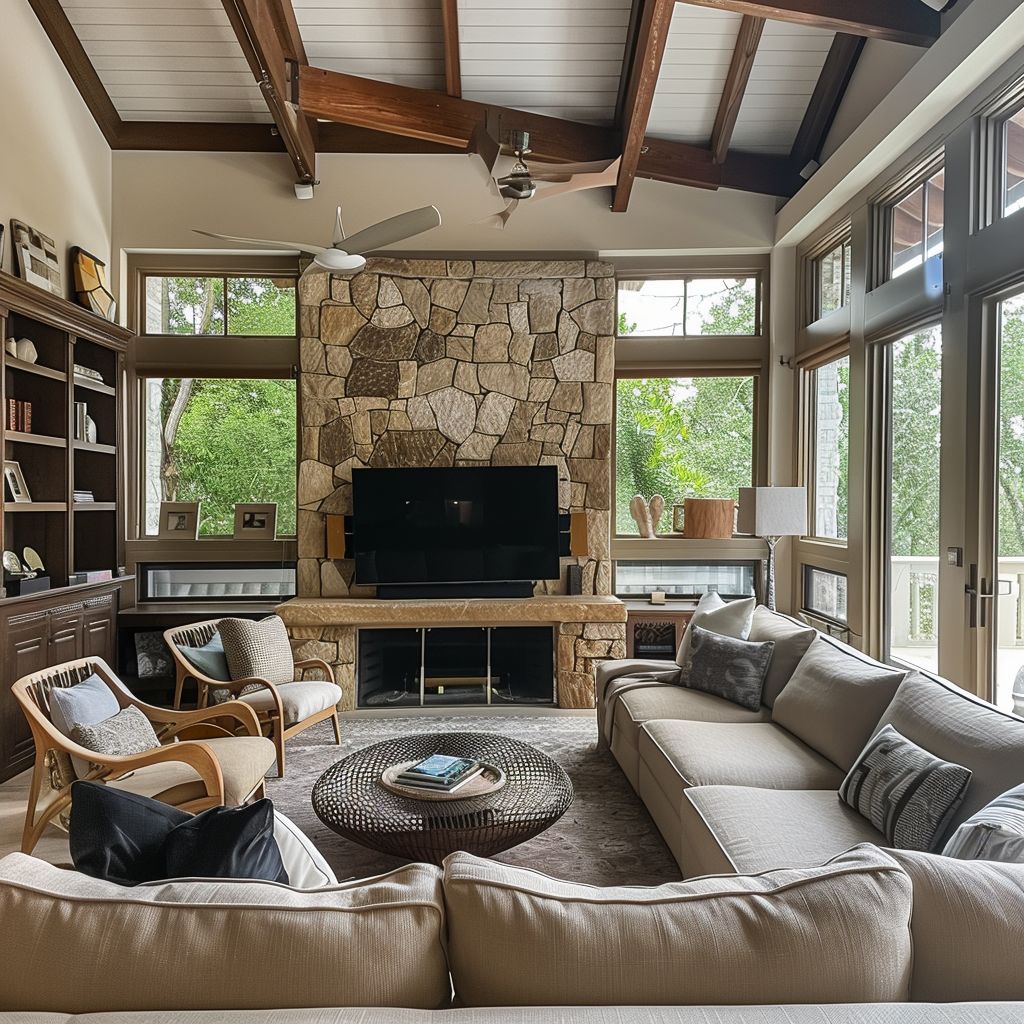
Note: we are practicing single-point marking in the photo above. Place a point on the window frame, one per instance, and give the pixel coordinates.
(991, 190)
(807, 569)
(839, 238)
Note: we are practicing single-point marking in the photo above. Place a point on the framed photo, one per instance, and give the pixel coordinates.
(179, 520)
(15, 481)
(255, 521)
(35, 257)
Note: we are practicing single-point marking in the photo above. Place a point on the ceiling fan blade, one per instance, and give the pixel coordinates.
(339, 231)
(394, 229)
(485, 146)
(313, 250)
(499, 220)
(579, 182)
(557, 172)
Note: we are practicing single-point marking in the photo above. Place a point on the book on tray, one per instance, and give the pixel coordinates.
(440, 772)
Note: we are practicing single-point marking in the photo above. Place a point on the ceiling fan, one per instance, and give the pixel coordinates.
(521, 182)
(344, 255)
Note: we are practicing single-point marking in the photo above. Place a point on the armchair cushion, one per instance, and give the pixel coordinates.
(258, 649)
(300, 699)
(85, 703)
(126, 733)
(208, 659)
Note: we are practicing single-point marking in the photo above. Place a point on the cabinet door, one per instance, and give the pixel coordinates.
(26, 652)
(65, 634)
(98, 632)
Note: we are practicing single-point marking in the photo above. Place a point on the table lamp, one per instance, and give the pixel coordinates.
(772, 513)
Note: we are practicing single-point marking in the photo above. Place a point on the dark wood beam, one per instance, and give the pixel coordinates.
(735, 85)
(450, 28)
(628, 55)
(828, 93)
(439, 118)
(70, 50)
(898, 21)
(264, 32)
(643, 78)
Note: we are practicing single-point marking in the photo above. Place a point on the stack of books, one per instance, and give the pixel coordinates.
(83, 497)
(19, 415)
(440, 773)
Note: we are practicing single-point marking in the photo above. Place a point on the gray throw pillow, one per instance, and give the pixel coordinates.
(258, 649)
(85, 703)
(996, 832)
(907, 793)
(729, 668)
(126, 733)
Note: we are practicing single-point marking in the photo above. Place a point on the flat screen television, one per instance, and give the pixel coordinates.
(434, 530)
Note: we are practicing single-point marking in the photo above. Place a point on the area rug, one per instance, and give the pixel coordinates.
(605, 838)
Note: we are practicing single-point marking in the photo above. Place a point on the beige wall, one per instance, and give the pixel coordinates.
(56, 169)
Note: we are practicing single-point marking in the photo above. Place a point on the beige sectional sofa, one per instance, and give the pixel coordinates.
(743, 791)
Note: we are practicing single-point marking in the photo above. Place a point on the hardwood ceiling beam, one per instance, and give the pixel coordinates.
(628, 56)
(268, 35)
(450, 31)
(70, 50)
(439, 118)
(828, 93)
(652, 33)
(897, 21)
(735, 85)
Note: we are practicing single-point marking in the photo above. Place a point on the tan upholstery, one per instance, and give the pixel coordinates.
(835, 698)
(735, 828)
(631, 707)
(716, 940)
(300, 699)
(956, 726)
(968, 918)
(244, 761)
(791, 639)
(606, 671)
(218, 944)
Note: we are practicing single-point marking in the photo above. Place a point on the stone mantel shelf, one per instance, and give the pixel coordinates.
(348, 611)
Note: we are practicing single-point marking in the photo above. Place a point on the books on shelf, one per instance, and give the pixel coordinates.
(88, 372)
(81, 497)
(440, 773)
(80, 412)
(19, 415)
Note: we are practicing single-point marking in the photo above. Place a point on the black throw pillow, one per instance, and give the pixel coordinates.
(120, 836)
(227, 842)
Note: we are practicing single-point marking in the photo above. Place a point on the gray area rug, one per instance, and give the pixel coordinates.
(605, 838)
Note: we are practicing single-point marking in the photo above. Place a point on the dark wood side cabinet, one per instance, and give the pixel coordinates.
(39, 631)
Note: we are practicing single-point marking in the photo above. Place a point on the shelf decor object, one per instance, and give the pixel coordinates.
(179, 520)
(255, 521)
(90, 277)
(705, 518)
(36, 257)
(15, 481)
(772, 513)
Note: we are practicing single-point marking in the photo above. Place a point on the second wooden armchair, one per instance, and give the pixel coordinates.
(283, 709)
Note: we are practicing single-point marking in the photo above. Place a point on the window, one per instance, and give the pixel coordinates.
(832, 273)
(829, 397)
(241, 581)
(916, 225)
(914, 367)
(220, 306)
(682, 437)
(825, 593)
(689, 306)
(1013, 163)
(218, 441)
(685, 579)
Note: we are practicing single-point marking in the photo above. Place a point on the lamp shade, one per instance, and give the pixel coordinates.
(773, 511)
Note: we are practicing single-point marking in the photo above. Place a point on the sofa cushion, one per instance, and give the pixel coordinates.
(615, 688)
(300, 699)
(906, 792)
(791, 639)
(962, 728)
(517, 937)
(221, 944)
(730, 618)
(835, 698)
(686, 754)
(258, 649)
(968, 928)
(996, 832)
(728, 668)
(737, 828)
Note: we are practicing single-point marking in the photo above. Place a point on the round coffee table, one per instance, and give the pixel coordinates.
(350, 799)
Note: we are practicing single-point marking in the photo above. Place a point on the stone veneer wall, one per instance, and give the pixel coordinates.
(457, 362)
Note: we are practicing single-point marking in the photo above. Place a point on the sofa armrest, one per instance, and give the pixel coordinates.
(608, 670)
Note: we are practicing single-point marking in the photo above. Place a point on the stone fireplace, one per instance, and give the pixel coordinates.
(422, 362)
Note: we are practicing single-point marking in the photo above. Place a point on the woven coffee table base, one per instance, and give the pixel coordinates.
(349, 798)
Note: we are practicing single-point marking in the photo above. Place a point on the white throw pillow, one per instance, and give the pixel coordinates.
(732, 618)
(996, 832)
(304, 863)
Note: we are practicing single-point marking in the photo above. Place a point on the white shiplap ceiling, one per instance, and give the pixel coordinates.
(168, 60)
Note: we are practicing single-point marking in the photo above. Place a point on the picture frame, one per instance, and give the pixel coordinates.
(179, 520)
(255, 521)
(14, 481)
(35, 258)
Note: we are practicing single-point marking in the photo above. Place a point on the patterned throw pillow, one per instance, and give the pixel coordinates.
(908, 794)
(126, 733)
(729, 668)
(730, 618)
(258, 649)
(996, 832)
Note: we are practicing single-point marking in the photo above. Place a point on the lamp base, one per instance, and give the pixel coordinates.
(769, 588)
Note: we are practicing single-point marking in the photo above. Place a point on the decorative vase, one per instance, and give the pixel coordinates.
(641, 513)
(26, 351)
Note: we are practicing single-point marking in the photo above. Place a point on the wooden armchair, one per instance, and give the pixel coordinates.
(283, 710)
(221, 745)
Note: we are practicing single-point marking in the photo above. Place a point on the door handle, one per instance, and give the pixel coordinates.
(980, 594)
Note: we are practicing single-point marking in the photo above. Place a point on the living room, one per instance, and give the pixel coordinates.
(521, 499)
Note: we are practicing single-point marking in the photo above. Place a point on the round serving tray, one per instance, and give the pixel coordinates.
(490, 780)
